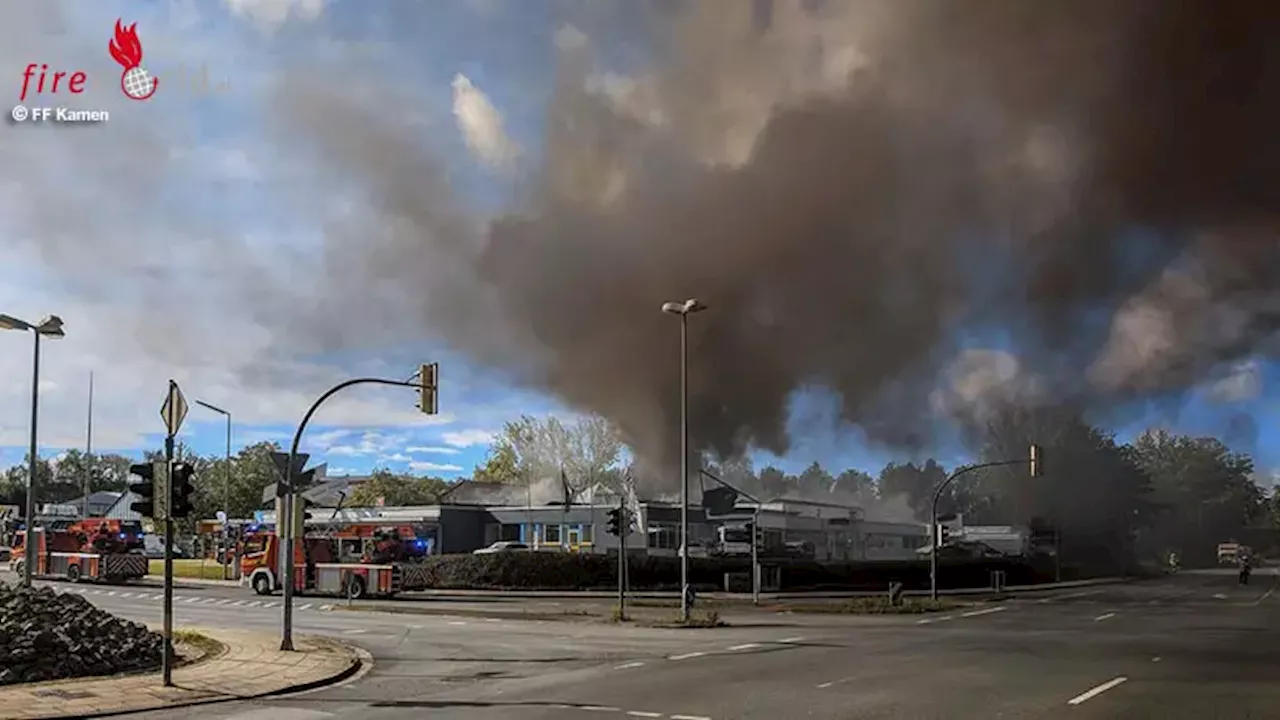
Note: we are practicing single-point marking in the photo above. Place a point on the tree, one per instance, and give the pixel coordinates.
(1205, 492)
(529, 450)
(856, 487)
(500, 463)
(1093, 490)
(814, 481)
(773, 482)
(915, 484)
(14, 483)
(386, 488)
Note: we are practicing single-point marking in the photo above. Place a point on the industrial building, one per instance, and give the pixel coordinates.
(796, 527)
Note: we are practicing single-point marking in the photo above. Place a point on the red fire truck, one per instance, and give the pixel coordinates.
(86, 550)
(347, 561)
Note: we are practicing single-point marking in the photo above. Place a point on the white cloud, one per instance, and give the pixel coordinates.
(467, 438)
(395, 457)
(431, 450)
(1243, 381)
(271, 14)
(433, 467)
(481, 125)
(371, 443)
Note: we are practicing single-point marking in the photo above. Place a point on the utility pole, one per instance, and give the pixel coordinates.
(88, 451)
(624, 525)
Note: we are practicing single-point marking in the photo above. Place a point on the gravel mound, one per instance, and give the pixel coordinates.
(45, 635)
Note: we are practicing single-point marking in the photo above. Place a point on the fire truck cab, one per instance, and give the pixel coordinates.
(92, 550)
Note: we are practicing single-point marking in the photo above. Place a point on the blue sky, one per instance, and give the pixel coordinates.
(141, 233)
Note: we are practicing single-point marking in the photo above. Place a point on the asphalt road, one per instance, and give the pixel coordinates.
(1195, 645)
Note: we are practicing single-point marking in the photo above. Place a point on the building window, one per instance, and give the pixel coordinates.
(510, 532)
(552, 534)
(588, 533)
(664, 536)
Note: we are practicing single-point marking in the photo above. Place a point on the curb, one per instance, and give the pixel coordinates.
(360, 658)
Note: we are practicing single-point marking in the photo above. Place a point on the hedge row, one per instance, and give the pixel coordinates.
(562, 571)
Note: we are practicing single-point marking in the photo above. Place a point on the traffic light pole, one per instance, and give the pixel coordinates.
(933, 517)
(623, 526)
(284, 526)
(167, 666)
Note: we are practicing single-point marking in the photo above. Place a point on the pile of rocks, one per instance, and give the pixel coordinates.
(46, 635)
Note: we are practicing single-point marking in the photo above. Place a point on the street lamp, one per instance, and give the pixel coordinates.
(226, 488)
(50, 326)
(683, 309)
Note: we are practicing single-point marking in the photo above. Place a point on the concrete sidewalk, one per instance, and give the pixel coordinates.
(249, 665)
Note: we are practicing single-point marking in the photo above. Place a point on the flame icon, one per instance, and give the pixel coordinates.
(135, 82)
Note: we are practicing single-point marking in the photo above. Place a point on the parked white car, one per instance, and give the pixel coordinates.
(502, 546)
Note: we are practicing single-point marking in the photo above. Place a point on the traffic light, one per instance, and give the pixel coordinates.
(144, 489)
(300, 515)
(183, 493)
(615, 522)
(429, 402)
(944, 535)
(1037, 461)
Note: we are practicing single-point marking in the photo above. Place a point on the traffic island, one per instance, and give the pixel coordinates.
(219, 666)
(879, 606)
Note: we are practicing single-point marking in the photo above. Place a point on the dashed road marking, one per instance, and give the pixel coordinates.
(354, 631)
(599, 708)
(687, 656)
(630, 665)
(112, 593)
(1104, 616)
(326, 607)
(986, 611)
(305, 607)
(930, 621)
(457, 622)
(790, 640)
(1096, 691)
(643, 714)
(1155, 659)
(689, 717)
(1068, 596)
(1265, 595)
(745, 646)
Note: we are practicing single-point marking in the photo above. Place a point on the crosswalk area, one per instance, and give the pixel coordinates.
(151, 595)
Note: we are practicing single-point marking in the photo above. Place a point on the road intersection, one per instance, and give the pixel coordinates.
(1194, 645)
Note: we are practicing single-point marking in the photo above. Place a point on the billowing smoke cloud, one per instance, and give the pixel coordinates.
(855, 191)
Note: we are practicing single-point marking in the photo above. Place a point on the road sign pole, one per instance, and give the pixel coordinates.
(623, 528)
(167, 667)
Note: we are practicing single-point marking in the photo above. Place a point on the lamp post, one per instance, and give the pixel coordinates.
(226, 487)
(684, 309)
(50, 326)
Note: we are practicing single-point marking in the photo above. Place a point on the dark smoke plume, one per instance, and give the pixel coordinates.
(857, 191)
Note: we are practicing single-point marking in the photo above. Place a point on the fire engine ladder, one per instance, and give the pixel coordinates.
(397, 578)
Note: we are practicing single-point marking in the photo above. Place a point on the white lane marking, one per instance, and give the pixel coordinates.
(125, 594)
(690, 717)
(304, 607)
(1219, 596)
(240, 603)
(112, 593)
(629, 666)
(987, 611)
(326, 607)
(254, 603)
(643, 714)
(493, 619)
(457, 622)
(790, 640)
(745, 646)
(1155, 659)
(1104, 616)
(271, 605)
(687, 656)
(599, 708)
(1097, 690)
(416, 627)
(356, 631)
(208, 601)
(190, 600)
(928, 621)
(96, 592)
(1265, 595)
(1068, 596)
